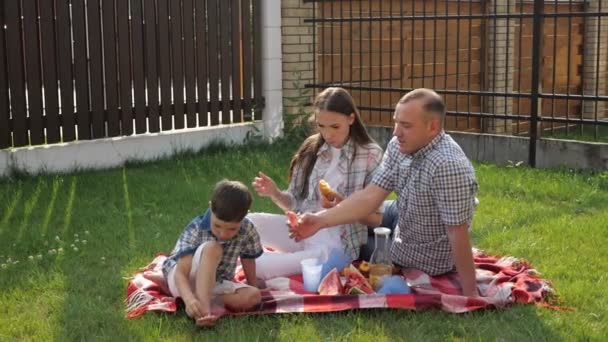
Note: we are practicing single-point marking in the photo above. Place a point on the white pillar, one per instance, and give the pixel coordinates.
(272, 80)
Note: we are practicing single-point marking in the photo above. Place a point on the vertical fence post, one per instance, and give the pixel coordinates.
(5, 129)
(537, 31)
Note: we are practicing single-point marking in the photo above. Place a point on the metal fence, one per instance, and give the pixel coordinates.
(530, 68)
(87, 69)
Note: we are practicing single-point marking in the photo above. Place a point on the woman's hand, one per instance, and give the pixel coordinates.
(326, 203)
(264, 185)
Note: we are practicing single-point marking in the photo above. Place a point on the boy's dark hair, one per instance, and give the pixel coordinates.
(230, 201)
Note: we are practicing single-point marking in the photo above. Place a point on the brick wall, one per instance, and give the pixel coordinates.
(595, 63)
(297, 46)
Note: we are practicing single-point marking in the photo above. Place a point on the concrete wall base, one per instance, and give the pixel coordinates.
(503, 149)
(114, 152)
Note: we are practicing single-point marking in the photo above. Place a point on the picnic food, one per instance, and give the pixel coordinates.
(331, 284)
(356, 282)
(326, 190)
(364, 268)
(376, 272)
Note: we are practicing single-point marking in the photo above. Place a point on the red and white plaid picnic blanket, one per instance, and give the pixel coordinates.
(501, 281)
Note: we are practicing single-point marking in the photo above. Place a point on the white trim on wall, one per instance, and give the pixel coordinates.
(272, 79)
(114, 152)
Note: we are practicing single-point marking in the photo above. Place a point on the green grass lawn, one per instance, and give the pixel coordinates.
(586, 133)
(557, 220)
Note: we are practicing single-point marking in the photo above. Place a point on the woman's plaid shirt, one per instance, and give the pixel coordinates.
(357, 163)
(435, 189)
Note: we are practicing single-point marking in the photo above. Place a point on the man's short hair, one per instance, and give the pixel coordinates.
(433, 103)
(230, 201)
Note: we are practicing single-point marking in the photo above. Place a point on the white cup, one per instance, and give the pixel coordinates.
(311, 273)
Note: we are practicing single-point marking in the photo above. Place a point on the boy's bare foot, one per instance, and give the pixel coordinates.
(207, 321)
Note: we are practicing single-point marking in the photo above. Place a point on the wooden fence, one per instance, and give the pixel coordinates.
(88, 69)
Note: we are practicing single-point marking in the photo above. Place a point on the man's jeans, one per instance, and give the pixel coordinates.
(390, 217)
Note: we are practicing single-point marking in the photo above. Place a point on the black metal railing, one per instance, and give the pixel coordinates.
(528, 68)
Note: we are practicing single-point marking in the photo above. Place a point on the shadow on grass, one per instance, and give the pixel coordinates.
(130, 234)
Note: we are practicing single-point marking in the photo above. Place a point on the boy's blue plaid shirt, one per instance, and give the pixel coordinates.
(246, 244)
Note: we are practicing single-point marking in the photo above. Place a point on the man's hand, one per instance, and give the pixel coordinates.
(264, 185)
(471, 293)
(463, 258)
(304, 226)
(260, 284)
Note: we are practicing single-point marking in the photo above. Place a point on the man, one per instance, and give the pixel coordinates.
(435, 186)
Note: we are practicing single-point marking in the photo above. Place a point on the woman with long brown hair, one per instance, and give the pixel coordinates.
(344, 155)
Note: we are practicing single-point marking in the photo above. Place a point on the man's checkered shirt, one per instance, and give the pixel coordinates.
(435, 189)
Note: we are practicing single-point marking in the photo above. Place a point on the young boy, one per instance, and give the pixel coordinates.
(203, 262)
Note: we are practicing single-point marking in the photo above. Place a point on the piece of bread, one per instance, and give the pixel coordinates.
(326, 190)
